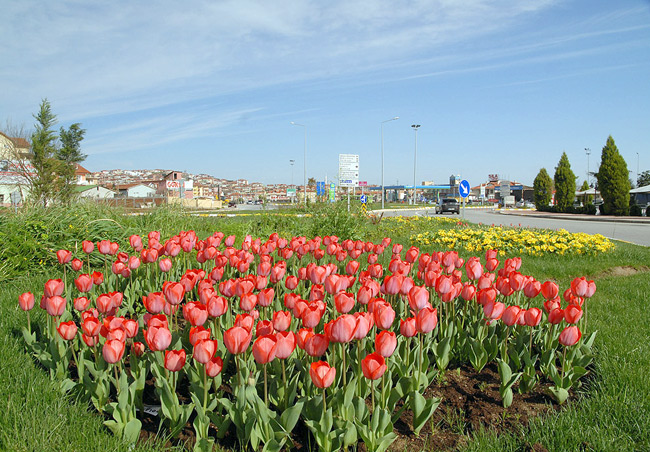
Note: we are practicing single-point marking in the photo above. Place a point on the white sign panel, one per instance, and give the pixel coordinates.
(348, 170)
(173, 184)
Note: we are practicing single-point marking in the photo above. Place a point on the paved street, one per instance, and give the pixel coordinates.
(638, 233)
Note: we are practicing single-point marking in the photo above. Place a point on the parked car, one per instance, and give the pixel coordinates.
(232, 204)
(448, 205)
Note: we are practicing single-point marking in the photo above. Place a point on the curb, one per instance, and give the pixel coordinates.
(578, 217)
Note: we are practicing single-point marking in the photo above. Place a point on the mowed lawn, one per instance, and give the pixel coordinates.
(611, 411)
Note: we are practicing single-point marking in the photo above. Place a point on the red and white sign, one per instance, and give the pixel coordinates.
(173, 184)
(363, 183)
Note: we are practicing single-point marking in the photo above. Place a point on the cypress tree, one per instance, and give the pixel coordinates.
(542, 190)
(613, 181)
(565, 185)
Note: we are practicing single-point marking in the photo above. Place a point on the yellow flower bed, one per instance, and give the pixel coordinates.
(515, 240)
(401, 226)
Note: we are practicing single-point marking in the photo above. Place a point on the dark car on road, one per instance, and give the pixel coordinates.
(448, 205)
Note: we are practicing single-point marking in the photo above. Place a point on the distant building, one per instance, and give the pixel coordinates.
(94, 192)
(81, 174)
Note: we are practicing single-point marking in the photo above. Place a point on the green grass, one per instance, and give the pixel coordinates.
(610, 413)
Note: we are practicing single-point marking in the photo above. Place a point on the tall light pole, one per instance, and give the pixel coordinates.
(382, 159)
(304, 158)
(588, 151)
(415, 158)
(291, 162)
(637, 167)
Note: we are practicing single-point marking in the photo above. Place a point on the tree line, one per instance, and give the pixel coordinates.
(612, 181)
(49, 167)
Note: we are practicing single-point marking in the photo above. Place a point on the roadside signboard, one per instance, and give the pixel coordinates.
(363, 183)
(364, 199)
(291, 192)
(464, 188)
(332, 192)
(348, 170)
(173, 184)
(320, 188)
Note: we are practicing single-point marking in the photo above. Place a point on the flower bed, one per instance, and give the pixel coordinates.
(281, 334)
(515, 241)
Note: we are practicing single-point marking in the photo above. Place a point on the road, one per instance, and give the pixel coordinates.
(630, 232)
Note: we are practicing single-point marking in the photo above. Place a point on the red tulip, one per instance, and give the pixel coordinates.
(87, 246)
(291, 282)
(137, 348)
(493, 310)
(26, 301)
(98, 278)
(90, 341)
(76, 264)
(570, 336)
(385, 343)
(165, 265)
(204, 350)
(214, 366)
(91, 326)
(104, 246)
(104, 303)
(157, 338)
(365, 321)
(556, 316)
(468, 292)
(112, 351)
(418, 297)
(55, 306)
(237, 339)
(175, 360)
(174, 293)
(154, 303)
(63, 256)
(550, 290)
(281, 320)
(67, 330)
(384, 316)
(352, 267)
(343, 329)
(473, 268)
(264, 349)
(572, 314)
(286, 344)
(426, 320)
(344, 302)
(197, 334)
(303, 335)
(131, 328)
(322, 375)
(84, 283)
(217, 306)
(373, 366)
(408, 327)
(532, 288)
(53, 287)
(316, 344)
(265, 297)
(245, 321)
(511, 315)
(136, 242)
(197, 313)
(533, 316)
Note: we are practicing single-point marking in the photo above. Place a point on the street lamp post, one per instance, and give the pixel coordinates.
(637, 167)
(588, 151)
(304, 159)
(382, 159)
(415, 157)
(291, 162)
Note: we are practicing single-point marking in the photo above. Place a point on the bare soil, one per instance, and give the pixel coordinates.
(470, 402)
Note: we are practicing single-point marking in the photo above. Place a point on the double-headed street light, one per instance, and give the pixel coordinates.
(415, 157)
(304, 157)
(382, 159)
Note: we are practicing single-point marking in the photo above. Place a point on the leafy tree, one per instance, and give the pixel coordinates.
(613, 181)
(565, 185)
(42, 157)
(69, 155)
(50, 165)
(311, 182)
(643, 179)
(542, 189)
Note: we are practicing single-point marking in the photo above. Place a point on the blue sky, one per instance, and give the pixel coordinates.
(502, 86)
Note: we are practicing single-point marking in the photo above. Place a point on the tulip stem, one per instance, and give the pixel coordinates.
(345, 379)
(383, 390)
(29, 324)
(266, 391)
(205, 387)
(563, 365)
(324, 404)
(372, 394)
(284, 381)
(420, 361)
(117, 380)
(359, 370)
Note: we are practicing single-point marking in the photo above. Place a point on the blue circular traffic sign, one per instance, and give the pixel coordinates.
(464, 188)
